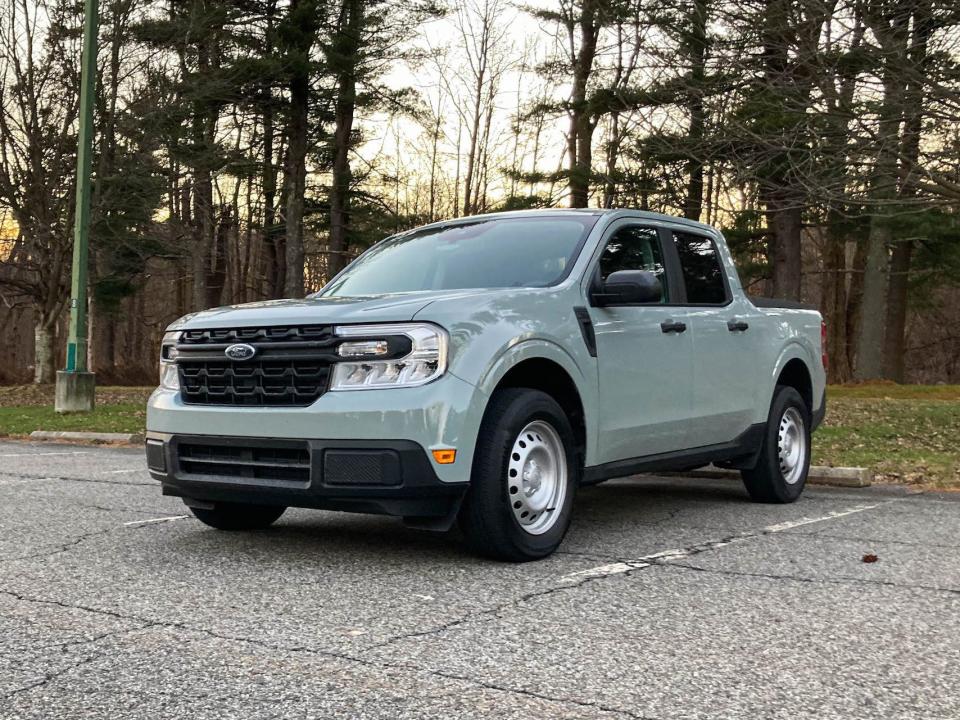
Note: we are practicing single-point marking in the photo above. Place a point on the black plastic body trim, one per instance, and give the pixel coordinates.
(417, 491)
(819, 415)
(586, 329)
(740, 452)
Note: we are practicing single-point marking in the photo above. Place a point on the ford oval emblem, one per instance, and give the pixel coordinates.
(240, 352)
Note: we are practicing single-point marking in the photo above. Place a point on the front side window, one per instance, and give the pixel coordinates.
(634, 248)
(481, 253)
(701, 268)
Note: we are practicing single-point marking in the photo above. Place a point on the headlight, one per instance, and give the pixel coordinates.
(169, 377)
(426, 359)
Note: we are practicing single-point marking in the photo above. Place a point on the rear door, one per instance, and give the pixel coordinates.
(644, 353)
(725, 333)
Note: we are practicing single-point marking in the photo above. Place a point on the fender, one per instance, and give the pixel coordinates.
(519, 350)
(795, 349)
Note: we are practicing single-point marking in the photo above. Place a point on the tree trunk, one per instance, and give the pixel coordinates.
(896, 320)
(855, 303)
(873, 314)
(785, 221)
(900, 260)
(296, 179)
(203, 236)
(613, 153)
(834, 302)
(345, 57)
(696, 51)
(44, 361)
(580, 140)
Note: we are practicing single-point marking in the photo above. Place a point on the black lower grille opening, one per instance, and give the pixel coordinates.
(289, 462)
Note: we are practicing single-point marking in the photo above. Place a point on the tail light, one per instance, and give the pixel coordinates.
(825, 359)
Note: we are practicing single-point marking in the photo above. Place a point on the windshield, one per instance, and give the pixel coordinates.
(485, 253)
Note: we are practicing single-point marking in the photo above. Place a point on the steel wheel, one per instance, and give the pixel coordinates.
(537, 477)
(791, 445)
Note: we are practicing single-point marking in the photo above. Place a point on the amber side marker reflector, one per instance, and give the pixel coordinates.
(444, 457)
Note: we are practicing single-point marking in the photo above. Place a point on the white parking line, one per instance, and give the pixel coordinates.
(117, 472)
(780, 527)
(153, 521)
(619, 568)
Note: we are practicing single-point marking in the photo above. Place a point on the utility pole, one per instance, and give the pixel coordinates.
(76, 385)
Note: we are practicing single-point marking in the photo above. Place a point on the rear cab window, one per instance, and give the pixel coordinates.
(703, 275)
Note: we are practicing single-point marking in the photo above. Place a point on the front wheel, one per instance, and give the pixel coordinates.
(239, 516)
(525, 474)
(781, 471)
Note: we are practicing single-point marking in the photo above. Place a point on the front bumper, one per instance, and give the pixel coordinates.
(387, 477)
(443, 414)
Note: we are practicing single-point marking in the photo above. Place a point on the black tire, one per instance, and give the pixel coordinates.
(486, 518)
(766, 482)
(238, 516)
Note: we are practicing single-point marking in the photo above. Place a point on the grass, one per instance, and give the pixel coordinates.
(25, 408)
(905, 433)
(120, 417)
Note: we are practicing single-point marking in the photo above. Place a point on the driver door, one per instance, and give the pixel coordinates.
(644, 354)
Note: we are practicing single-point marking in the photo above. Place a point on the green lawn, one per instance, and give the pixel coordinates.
(905, 433)
(25, 408)
(121, 417)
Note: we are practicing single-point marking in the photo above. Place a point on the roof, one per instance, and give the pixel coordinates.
(612, 213)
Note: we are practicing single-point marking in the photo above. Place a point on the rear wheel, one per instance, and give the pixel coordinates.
(525, 474)
(237, 516)
(781, 471)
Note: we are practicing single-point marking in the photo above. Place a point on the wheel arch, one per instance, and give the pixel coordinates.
(796, 374)
(543, 366)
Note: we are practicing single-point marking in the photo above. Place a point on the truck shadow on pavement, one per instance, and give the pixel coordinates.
(611, 508)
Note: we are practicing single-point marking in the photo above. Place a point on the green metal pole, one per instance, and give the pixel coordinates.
(77, 341)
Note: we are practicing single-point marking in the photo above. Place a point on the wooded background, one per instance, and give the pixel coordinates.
(247, 150)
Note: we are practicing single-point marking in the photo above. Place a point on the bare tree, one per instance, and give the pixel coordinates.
(39, 95)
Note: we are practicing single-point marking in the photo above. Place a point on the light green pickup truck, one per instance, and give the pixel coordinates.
(480, 370)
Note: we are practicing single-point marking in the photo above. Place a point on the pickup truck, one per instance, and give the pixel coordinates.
(478, 371)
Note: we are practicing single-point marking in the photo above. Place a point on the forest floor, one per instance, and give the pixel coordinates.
(905, 433)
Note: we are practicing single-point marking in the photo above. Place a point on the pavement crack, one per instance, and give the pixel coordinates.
(51, 676)
(541, 696)
(815, 581)
(67, 478)
(145, 623)
(62, 547)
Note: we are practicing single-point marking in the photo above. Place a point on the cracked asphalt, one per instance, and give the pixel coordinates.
(671, 598)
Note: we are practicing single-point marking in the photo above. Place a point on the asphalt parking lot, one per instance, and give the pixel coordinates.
(671, 598)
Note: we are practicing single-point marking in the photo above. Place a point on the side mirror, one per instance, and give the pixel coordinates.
(629, 287)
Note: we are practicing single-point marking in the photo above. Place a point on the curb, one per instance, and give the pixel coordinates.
(857, 477)
(92, 437)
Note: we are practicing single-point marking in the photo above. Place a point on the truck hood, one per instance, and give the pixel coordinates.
(400, 307)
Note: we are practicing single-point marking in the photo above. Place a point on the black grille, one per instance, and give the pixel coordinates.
(290, 462)
(291, 366)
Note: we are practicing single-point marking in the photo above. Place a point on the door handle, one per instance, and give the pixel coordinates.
(672, 326)
(734, 325)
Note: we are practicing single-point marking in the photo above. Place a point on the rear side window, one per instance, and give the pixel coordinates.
(634, 248)
(702, 272)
